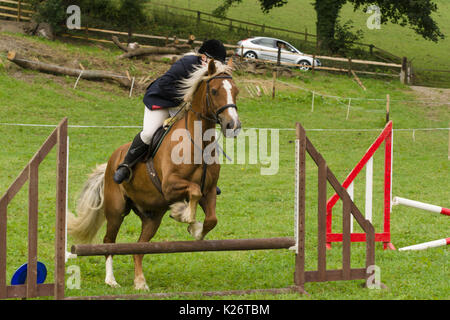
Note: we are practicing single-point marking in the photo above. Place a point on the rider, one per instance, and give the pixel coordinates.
(161, 95)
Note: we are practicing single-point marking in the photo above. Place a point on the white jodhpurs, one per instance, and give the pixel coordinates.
(153, 119)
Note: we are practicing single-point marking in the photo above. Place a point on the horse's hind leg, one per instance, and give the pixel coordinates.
(149, 227)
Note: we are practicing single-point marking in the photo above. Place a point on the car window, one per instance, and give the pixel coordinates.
(290, 48)
(267, 43)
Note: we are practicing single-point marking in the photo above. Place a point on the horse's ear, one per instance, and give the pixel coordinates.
(230, 62)
(212, 67)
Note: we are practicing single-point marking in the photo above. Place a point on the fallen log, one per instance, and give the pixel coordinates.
(149, 51)
(136, 50)
(118, 44)
(59, 70)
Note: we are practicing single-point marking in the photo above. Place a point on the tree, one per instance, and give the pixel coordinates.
(131, 12)
(415, 14)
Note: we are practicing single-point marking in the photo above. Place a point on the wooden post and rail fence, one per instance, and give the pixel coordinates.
(21, 11)
(31, 289)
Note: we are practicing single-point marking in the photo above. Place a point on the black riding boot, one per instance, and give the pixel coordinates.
(137, 150)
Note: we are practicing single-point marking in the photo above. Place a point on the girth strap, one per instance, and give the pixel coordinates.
(153, 175)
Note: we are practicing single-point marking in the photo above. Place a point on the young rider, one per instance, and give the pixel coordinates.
(161, 95)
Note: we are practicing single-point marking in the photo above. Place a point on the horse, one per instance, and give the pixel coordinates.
(210, 93)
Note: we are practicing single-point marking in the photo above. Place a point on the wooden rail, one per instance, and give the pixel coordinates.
(263, 27)
(18, 9)
(31, 174)
(181, 246)
(349, 208)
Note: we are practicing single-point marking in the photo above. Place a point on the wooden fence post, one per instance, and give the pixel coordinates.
(349, 67)
(279, 56)
(313, 63)
(403, 73)
(19, 10)
(274, 79)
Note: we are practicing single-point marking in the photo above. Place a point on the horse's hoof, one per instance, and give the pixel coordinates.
(112, 283)
(196, 230)
(141, 286)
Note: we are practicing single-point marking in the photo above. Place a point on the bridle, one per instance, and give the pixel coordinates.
(216, 114)
(209, 103)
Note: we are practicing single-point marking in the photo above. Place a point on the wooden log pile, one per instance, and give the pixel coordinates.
(173, 50)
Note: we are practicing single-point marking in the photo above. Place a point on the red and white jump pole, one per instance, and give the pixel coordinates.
(426, 245)
(386, 138)
(421, 205)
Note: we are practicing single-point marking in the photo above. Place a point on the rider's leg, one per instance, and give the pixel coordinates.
(153, 119)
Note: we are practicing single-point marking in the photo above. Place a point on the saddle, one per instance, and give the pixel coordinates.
(157, 139)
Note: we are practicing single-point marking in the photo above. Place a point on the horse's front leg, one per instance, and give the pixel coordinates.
(208, 204)
(184, 196)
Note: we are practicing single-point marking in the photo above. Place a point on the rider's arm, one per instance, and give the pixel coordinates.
(181, 69)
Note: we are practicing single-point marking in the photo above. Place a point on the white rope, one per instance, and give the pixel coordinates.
(250, 128)
(367, 99)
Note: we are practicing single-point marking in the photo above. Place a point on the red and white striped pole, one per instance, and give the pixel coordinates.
(421, 205)
(426, 245)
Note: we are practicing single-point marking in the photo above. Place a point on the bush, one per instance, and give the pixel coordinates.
(344, 38)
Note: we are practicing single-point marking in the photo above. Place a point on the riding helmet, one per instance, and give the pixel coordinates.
(213, 49)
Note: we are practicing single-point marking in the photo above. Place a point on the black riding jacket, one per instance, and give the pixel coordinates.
(163, 92)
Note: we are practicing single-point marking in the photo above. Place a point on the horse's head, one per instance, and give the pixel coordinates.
(221, 92)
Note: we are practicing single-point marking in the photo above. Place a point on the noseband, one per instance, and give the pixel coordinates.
(209, 102)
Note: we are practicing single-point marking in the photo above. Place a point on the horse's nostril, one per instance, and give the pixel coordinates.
(230, 125)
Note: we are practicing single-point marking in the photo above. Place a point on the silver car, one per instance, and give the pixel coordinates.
(267, 49)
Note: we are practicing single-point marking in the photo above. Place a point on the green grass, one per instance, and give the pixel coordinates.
(300, 14)
(251, 205)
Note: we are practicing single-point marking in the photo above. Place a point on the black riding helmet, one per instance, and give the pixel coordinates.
(213, 49)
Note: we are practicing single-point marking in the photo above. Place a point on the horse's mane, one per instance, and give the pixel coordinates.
(188, 86)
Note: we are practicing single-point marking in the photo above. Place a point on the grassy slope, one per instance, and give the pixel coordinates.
(251, 205)
(300, 14)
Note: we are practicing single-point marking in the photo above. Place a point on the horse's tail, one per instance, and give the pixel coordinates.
(90, 214)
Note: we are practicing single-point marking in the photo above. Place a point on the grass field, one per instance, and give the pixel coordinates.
(300, 14)
(251, 205)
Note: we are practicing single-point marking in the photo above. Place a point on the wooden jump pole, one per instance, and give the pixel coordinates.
(181, 246)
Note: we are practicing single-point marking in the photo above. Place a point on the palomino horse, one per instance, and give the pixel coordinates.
(212, 95)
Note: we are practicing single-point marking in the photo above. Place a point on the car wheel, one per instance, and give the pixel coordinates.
(250, 55)
(305, 65)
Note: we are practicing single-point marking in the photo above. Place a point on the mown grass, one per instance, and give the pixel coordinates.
(251, 205)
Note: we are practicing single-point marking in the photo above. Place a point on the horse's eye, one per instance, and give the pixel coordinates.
(214, 92)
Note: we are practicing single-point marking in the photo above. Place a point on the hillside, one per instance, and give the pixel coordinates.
(299, 14)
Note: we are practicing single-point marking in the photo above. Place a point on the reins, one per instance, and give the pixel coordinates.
(214, 120)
